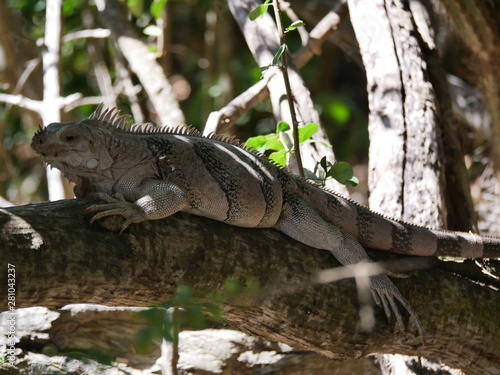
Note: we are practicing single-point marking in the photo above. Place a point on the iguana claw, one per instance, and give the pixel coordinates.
(118, 206)
(385, 294)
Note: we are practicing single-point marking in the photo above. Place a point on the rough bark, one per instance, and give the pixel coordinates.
(414, 152)
(60, 260)
(399, 119)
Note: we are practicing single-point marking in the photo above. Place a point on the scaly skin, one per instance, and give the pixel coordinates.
(141, 173)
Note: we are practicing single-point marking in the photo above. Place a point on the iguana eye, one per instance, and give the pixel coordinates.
(70, 137)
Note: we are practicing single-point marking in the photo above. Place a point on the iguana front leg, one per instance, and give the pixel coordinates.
(149, 200)
(301, 221)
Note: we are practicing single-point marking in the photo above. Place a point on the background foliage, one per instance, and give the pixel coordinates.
(208, 63)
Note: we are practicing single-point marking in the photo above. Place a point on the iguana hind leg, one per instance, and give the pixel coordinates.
(301, 221)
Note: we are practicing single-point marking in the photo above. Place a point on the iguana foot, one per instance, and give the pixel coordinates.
(385, 294)
(116, 205)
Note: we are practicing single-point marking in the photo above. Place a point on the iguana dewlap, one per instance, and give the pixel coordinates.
(146, 173)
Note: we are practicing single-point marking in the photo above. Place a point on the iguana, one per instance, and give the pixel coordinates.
(144, 173)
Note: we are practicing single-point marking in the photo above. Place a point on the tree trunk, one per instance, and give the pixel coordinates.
(59, 260)
(417, 172)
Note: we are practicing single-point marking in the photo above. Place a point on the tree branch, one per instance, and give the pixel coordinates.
(21, 101)
(81, 34)
(414, 152)
(220, 121)
(142, 63)
(288, 88)
(59, 260)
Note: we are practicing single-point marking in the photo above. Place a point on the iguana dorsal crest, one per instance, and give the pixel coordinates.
(110, 118)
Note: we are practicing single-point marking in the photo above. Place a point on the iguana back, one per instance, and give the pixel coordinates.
(222, 180)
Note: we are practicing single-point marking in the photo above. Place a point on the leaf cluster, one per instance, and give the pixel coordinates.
(278, 148)
(278, 143)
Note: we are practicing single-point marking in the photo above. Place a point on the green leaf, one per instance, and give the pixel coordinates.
(324, 163)
(156, 8)
(262, 143)
(257, 142)
(152, 30)
(253, 287)
(343, 173)
(264, 68)
(278, 54)
(311, 176)
(274, 142)
(282, 127)
(184, 295)
(307, 131)
(279, 157)
(294, 25)
(324, 144)
(231, 288)
(151, 333)
(136, 7)
(353, 181)
(258, 12)
(194, 316)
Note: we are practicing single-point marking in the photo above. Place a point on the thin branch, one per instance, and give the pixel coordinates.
(30, 68)
(70, 106)
(21, 101)
(220, 121)
(98, 33)
(70, 99)
(91, 33)
(128, 88)
(318, 35)
(304, 35)
(164, 42)
(37, 105)
(289, 96)
(102, 76)
(175, 343)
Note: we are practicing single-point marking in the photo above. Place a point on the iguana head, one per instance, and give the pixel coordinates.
(71, 147)
(80, 151)
(92, 153)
